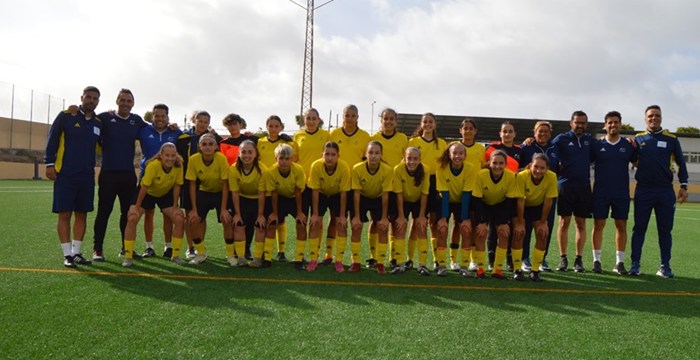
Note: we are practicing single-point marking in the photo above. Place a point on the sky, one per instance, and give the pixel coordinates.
(524, 59)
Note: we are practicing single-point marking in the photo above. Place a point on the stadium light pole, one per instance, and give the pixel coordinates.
(371, 119)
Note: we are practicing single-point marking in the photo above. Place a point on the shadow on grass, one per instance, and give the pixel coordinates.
(216, 285)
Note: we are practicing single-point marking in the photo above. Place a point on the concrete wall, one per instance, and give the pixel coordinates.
(20, 134)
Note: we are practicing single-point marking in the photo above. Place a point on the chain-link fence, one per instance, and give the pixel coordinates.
(25, 116)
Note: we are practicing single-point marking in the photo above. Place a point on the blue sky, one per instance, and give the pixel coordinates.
(526, 59)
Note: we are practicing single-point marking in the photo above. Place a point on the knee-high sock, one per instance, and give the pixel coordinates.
(314, 244)
(239, 247)
(373, 238)
(398, 249)
(299, 250)
(422, 244)
(517, 255)
(268, 248)
(381, 252)
(281, 237)
(500, 257)
(341, 244)
(129, 248)
(177, 246)
(537, 256)
(355, 248)
(330, 244)
(441, 256)
(411, 249)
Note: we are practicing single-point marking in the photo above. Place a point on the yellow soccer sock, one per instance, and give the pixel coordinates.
(268, 248)
(201, 249)
(441, 255)
(381, 252)
(454, 253)
(258, 250)
(230, 249)
(472, 254)
(355, 248)
(373, 238)
(341, 245)
(281, 236)
(537, 256)
(129, 249)
(330, 244)
(314, 244)
(466, 259)
(422, 250)
(399, 248)
(480, 258)
(300, 249)
(433, 242)
(411, 249)
(499, 258)
(391, 248)
(239, 246)
(517, 255)
(177, 246)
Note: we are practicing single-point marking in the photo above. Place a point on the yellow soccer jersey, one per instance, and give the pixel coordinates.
(210, 176)
(404, 183)
(455, 184)
(329, 184)
(429, 153)
(353, 146)
(372, 185)
(247, 185)
(534, 194)
(285, 185)
(476, 155)
(266, 150)
(495, 193)
(393, 147)
(158, 181)
(310, 147)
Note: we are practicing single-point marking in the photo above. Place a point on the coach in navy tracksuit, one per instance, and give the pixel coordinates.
(120, 130)
(657, 147)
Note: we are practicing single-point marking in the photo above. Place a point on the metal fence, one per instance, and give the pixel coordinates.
(26, 109)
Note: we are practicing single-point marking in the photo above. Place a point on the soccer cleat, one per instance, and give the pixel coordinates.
(518, 275)
(370, 263)
(597, 268)
(455, 266)
(255, 263)
(355, 267)
(441, 271)
(498, 274)
(339, 267)
(526, 265)
(299, 265)
(135, 255)
(535, 276)
(312, 266)
(635, 269)
(665, 272)
(198, 259)
(191, 253)
(127, 262)
(327, 261)
(168, 253)
(242, 262)
(98, 255)
(380, 269)
(423, 270)
(620, 268)
(266, 264)
(578, 265)
(232, 260)
(563, 264)
(79, 259)
(248, 255)
(480, 274)
(545, 267)
(408, 265)
(281, 257)
(473, 266)
(68, 262)
(509, 262)
(398, 269)
(149, 253)
(178, 261)
(490, 267)
(464, 273)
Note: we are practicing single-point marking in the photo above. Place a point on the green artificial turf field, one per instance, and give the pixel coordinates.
(158, 309)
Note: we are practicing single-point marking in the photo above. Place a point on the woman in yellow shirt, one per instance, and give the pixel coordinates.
(329, 182)
(371, 184)
(285, 181)
(493, 202)
(537, 189)
(476, 156)
(411, 186)
(209, 168)
(160, 185)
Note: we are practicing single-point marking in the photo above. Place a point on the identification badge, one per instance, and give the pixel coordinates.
(661, 144)
(96, 130)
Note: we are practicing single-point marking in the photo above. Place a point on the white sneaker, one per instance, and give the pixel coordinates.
(232, 260)
(127, 262)
(199, 258)
(191, 253)
(473, 266)
(455, 266)
(242, 262)
(178, 260)
(526, 266)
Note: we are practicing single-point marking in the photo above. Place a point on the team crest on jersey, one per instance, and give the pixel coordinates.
(132, 122)
(157, 178)
(76, 125)
(623, 150)
(585, 142)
